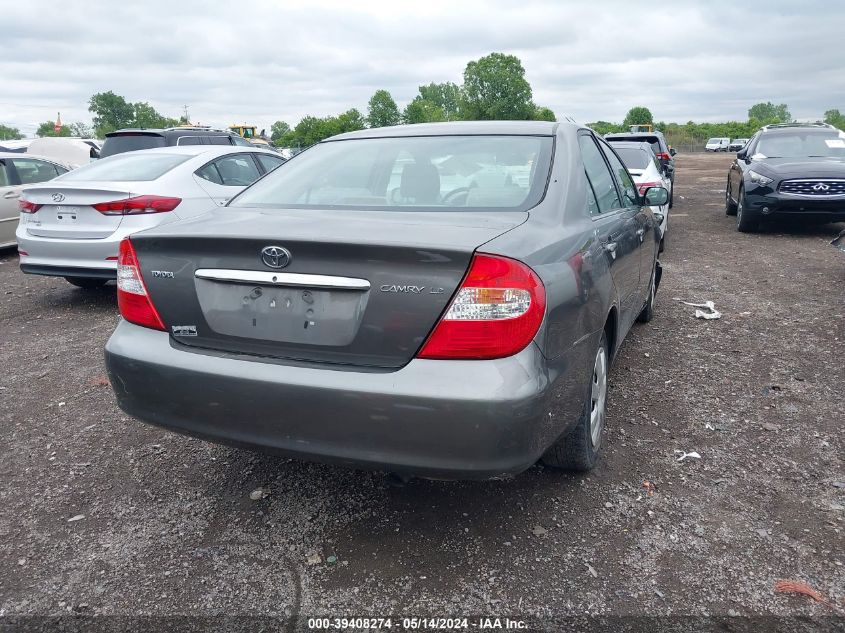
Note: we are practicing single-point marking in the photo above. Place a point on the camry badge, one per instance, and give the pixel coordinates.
(275, 256)
(820, 187)
(58, 197)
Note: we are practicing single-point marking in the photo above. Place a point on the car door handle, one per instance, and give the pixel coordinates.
(640, 232)
(11, 194)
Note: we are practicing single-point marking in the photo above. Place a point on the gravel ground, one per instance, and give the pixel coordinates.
(104, 515)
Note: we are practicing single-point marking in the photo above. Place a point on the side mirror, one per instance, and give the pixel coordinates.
(672, 151)
(656, 196)
(742, 154)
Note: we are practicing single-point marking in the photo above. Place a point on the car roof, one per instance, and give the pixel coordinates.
(620, 135)
(646, 147)
(197, 150)
(515, 128)
(35, 156)
(804, 129)
(182, 131)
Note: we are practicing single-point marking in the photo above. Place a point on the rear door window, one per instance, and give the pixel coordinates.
(630, 197)
(598, 175)
(189, 140)
(130, 142)
(4, 178)
(222, 140)
(236, 171)
(32, 171)
(269, 163)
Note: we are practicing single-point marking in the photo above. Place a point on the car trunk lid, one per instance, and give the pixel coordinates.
(361, 287)
(66, 209)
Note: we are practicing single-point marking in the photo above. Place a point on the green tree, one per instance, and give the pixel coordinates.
(421, 110)
(8, 133)
(48, 128)
(544, 114)
(382, 110)
(495, 88)
(835, 118)
(348, 121)
(769, 113)
(638, 115)
(146, 116)
(446, 96)
(111, 112)
(278, 130)
(312, 129)
(81, 129)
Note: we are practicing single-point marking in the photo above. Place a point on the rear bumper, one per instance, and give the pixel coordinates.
(439, 419)
(68, 271)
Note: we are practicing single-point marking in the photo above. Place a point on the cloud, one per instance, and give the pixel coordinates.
(259, 61)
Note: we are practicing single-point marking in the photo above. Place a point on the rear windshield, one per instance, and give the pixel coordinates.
(634, 158)
(801, 145)
(441, 173)
(128, 167)
(130, 143)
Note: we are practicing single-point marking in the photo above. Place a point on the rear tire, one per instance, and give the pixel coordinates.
(88, 283)
(647, 313)
(746, 222)
(730, 206)
(579, 449)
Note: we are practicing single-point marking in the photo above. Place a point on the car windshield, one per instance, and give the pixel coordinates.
(802, 144)
(713, 141)
(633, 157)
(442, 173)
(128, 167)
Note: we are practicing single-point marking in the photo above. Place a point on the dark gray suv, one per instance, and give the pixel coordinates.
(131, 140)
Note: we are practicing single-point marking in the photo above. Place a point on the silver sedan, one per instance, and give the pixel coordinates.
(72, 226)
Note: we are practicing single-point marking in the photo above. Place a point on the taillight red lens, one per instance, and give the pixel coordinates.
(27, 206)
(642, 186)
(132, 299)
(663, 156)
(495, 313)
(138, 205)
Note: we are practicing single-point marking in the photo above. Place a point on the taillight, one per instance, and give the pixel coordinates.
(495, 313)
(663, 156)
(132, 299)
(642, 186)
(27, 206)
(138, 205)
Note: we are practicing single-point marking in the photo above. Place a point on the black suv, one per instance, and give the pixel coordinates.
(795, 169)
(131, 140)
(664, 153)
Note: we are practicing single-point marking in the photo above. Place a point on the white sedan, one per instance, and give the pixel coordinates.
(646, 170)
(72, 226)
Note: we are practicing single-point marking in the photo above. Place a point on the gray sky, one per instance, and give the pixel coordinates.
(259, 61)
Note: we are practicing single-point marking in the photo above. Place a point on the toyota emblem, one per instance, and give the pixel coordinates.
(58, 197)
(275, 256)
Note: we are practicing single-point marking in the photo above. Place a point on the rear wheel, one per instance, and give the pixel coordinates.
(579, 449)
(647, 313)
(730, 205)
(86, 282)
(746, 221)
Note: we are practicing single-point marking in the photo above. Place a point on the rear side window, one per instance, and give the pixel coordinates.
(220, 140)
(269, 163)
(128, 167)
(33, 171)
(598, 175)
(237, 171)
(130, 143)
(4, 178)
(189, 140)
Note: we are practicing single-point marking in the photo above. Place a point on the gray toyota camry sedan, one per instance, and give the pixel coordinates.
(440, 300)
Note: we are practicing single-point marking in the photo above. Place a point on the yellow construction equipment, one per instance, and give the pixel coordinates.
(249, 133)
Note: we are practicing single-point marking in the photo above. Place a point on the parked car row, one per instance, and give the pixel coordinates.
(792, 169)
(458, 290)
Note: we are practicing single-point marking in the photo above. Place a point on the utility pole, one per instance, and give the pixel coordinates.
(187, 120)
